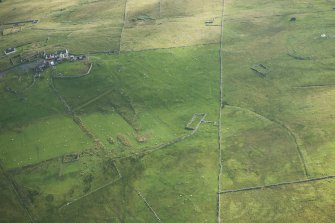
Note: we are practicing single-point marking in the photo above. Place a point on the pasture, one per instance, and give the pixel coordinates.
(127, 143)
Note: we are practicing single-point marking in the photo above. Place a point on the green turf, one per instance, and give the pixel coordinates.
(301, 203)
(276, 124)
(43, 140)
(11, 210)
(75, 68)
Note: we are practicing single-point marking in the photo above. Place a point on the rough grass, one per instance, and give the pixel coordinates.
(42, 140)
(277, 97)
(257, 151)
(129, 109)
(170, 24)
(73, 68)
(11, 210)
(154, 93)
(313, 201)
(80, 26)
(293, 99)
(32, 100)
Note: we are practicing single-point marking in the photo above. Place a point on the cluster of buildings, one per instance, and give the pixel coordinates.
(51, 59)
(56, 58)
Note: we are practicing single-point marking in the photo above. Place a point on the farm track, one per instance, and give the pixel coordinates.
(3, 72)
(93, 100)
(270, 186)
(31, 85)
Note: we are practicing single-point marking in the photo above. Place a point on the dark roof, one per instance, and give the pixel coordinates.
(9, 50)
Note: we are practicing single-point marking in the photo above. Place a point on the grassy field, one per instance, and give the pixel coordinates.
(37, 144)
(291, 104)
(69, 24)
(113, 146)
(75, 68)
(11, 211)
(303, 203)
(166, 23)
(78, 25)
(256, 151)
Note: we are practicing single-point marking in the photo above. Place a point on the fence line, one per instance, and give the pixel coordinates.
(93, 191)
(315, 86)
(61, 76)
(220, 118)
(19, 22)
(170, 48)
(93, 99)
(149, 206)
(278, 184)
(148, 151)
(276, 15)
(76, 118)
(301, 153)
(124, 24)
(164, 145)
(13, 184)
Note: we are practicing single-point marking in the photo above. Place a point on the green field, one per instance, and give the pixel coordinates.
(193, 111)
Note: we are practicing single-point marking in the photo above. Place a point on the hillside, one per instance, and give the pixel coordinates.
(167, 111)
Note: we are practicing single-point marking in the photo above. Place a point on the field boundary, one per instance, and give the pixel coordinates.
(53, 88)
(148, 205)
(62, 76)
(278, 184)
(124, 24)
(277, 15)
(30, 85)
(13, 184)
(163, 145)
(218, 211)
(145, 152)
(301, 154)
(315, 86)
(93, 100)
(172, 47)
(93, 191)
(76, 119)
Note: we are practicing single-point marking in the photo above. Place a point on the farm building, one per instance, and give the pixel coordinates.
(209, 22)
(63, 54)
(10, 51)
